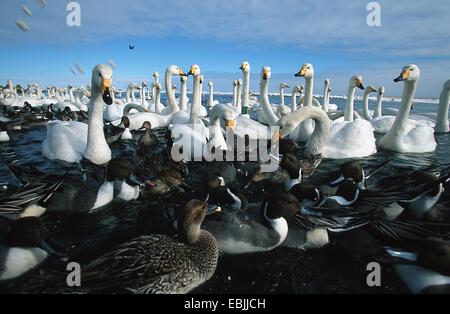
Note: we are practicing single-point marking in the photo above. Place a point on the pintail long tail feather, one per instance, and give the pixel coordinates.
(39, 193)
(379, 167)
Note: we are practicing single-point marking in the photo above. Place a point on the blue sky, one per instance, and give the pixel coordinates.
(218, 35)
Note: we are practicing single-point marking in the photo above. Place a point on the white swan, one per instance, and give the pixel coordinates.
(158, 120)
(70, 141)
(251, 128)
(184, 100)
(282, 109)
(192, 136)
(318, 139)
(378, 112)
(296, 91)
(305, 129)
(418, 139)
(366, 113)
(211, 101)
(217, 141)
(442, 125)
(351, 138)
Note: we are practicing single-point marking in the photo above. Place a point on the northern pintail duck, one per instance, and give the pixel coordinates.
(4, 137)
(28, 245)
(159, 263)
(428, 269)
(220, 195)
(31, 200)
(119, 182)
(120, 132)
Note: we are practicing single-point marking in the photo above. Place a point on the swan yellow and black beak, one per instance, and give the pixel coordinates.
(105, 89)
(302, 72)
(181, 72)
(231, 124)
(359, 84)
(265, 74)
(403, 76)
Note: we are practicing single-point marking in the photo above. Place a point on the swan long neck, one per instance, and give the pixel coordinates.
(183, 96)
(442, 125)
(326, 98)
(281, 96)
(246, 92)
(350, 102)
(169, 92)
(378, 109)
(321, 132)
(309, 83)
(96, 142)
(211, 96)
(267, 108)
(158, 108)
(234, 95)
(238, 99)
(196, 100)
(294, 101)
(128, 95)
(133, 97)
(71, 97)
(401, 121)
(366, 112)
(143, 96)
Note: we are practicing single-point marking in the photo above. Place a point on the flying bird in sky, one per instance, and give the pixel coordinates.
(131, 47)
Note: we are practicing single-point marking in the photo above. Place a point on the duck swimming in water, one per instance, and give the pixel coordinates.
(159, 264)
(28, 245)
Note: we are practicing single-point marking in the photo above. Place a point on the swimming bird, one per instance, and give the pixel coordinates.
(28, 245)
(427, 269)
(401, 138)
(119, 182)
(72, 141)
(158, 263)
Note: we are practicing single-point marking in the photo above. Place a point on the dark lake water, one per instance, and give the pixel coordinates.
(283, 270)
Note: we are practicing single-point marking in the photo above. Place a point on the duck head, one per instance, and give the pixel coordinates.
(190, 218)
(282, 205)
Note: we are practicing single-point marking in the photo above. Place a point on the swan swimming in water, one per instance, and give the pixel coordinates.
(70, 141)
(351, 138)
(401, 138)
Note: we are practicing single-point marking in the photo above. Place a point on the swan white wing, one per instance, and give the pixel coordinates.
(350, 140)
(65, 141)
(420, 139)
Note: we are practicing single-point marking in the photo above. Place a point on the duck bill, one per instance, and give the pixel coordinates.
(51, 247)
(105, 89)
(134, 181)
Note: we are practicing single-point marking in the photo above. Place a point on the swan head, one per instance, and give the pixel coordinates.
(239, 82)
(370, 89)
(195, 70)
(409, 73)
(175, 70)
(381, 91)
(183, 79)
(356, 81)
(210, 84)
(327, 82)
(245, 67)
(202, 79)
(155, 74)
(306, 71)
(266, 73)
(284, 85)
(101, 80)
(447, 85)
(144, 84)
(235, 83)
